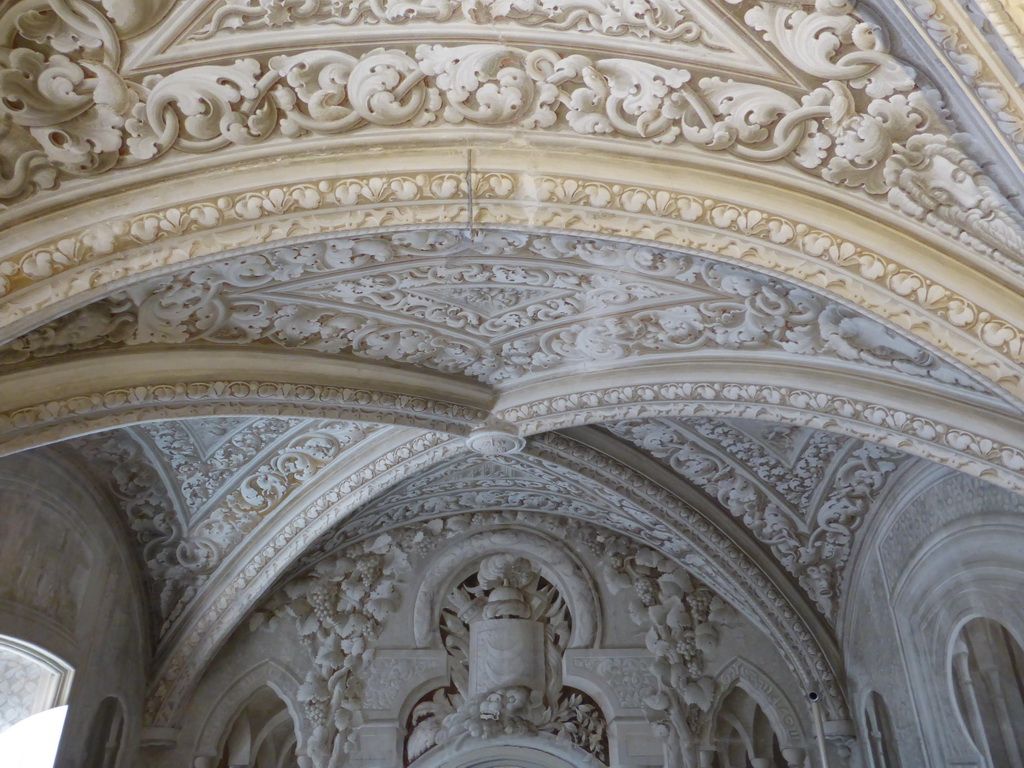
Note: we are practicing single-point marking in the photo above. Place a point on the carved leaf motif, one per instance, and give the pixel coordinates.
(863, 122)
(514, 306)
(772, 495)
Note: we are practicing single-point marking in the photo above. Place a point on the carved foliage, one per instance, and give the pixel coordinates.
(340, 609)
(497, 308)
(182, 545)
(657, 20)
(807, 519)
(682, 618)
(864, 123)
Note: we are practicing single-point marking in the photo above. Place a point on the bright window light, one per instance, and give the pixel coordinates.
(32, 743)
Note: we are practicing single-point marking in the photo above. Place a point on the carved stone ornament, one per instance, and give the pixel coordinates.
(991, 79)
(979, 336)
(495, 441)
(858, 120)
(803, 493)
(498, 308)
(341, 606)
(683, 24)
(227, 476)
(561, 479)
(505, 629)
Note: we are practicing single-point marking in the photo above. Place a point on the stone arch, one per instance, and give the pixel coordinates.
(741, 672)
(938, 603)
(541, 751)
(220, 714)
(107, 734)
(986, 664)
(801, 249)
(971, 440)
(552, 559)
(794, 627)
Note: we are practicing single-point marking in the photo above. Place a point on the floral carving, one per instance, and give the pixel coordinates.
(945, 25)
(216, 611)
(809, 529)
(340, 609)
(183, 544)
(864, 123)
(891, 427)
(575, 482)
(657, 20)
(682, 618)
(525, 304)
(203, 454)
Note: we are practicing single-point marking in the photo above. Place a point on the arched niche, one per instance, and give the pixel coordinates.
(971, 568)
(106, 735)
(743, 733)
(879, 733)
(987, 669)
(553, 560)
(741, 673)
(250, 711)
(261, 735)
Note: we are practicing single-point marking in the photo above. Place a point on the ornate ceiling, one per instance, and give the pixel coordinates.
(721, 276)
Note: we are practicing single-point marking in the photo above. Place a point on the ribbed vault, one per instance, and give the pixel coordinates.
(715, 275)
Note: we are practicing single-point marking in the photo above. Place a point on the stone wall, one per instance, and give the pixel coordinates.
(68, 585)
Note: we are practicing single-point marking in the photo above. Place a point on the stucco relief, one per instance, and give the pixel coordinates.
(754, 680)
(520, 305)
(203, 454)
(684, 24)
(803, 493)
(594, 488)
(160, 238)
(980, 68)
(863, 123)
(189, 515)
(505, 629)
(506, 684)
(890, 427)
(215, 612)
(682, 619)
(475, 483)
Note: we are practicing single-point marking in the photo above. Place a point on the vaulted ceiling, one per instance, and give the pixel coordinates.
(723, 276)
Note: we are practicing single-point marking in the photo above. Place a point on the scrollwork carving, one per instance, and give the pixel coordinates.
(656, 20)
(526, 304)
(773, 500)
(863, 123)
(181, 548)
